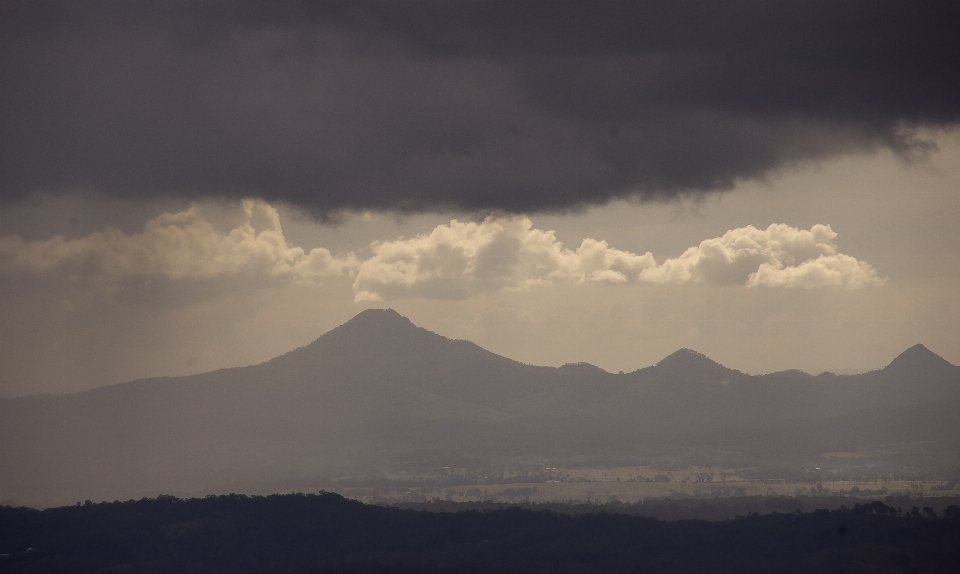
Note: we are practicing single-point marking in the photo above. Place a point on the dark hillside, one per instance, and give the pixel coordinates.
(919, 361)
(326, 533)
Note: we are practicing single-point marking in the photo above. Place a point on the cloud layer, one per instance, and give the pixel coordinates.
(779, 256)
(177, 246)
(475, 104)
(454, 261)
(499, 254)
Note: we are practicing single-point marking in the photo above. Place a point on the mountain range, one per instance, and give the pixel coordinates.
(379, 389)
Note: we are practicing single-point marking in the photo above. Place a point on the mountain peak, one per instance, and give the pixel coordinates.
(918, 358)
(690, 363)
(377, 325)
(687, 366)
(686, 356)
(379, 318)
(581, 368)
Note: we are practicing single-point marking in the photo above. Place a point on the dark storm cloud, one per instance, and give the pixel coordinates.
(522, 106)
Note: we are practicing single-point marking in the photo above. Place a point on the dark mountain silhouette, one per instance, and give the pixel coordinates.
(919, 360)
(691, 365)
(378, 387)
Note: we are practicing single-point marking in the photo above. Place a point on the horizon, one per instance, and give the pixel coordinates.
(654, 364)
(858, 370)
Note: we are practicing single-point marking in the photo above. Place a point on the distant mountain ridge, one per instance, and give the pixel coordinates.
(378, 386)
(919, 360)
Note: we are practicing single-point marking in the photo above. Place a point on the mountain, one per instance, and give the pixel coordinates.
(919, 360)
(379, 388)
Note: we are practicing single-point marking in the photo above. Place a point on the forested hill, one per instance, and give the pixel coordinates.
(327, 533)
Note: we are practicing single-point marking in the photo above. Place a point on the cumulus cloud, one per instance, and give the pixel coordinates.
(180, 245)
(460, 259)
(778, 256)
(498, 254)
(454, 261)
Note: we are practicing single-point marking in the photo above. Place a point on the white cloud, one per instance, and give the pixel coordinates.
(454, 261)
(779, 256)
(498, 254)
(178, 246)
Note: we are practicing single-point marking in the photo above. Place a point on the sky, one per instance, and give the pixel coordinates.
(190, 186)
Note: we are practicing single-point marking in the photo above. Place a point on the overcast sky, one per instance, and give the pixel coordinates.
(188, 186)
